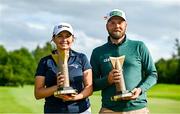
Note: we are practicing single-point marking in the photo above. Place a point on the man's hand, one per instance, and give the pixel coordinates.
(114, 76)
(136, 92)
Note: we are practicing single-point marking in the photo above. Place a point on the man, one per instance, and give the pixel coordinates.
(138, 69)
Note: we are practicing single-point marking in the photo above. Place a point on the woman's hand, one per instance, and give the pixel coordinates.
(70, 97)
(60, 80)
(87, 91)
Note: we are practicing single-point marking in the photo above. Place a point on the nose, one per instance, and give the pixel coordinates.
(117, 25)
(64, 39)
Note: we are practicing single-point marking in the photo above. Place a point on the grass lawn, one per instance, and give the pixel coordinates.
(19, 100)
(162, 99)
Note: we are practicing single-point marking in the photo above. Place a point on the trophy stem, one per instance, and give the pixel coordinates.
(120, 86)
(63, 65)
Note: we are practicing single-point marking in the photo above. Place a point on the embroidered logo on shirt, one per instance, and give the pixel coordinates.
(106, 60)
(74, 65)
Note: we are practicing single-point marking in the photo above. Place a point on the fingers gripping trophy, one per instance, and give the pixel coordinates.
(121, 92)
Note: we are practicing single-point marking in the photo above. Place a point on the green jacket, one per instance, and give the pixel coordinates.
(138, 70)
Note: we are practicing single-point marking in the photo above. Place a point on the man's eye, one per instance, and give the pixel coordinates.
(59, 36)
(68, 36)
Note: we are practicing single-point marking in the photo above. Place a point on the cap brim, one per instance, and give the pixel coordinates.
(116, 16)
(61, 30)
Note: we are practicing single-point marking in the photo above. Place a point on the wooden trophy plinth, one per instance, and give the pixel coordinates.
(121, 92)
(62, 60)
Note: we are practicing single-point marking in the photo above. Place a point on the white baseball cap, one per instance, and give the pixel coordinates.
(62, 27)
(115, 12)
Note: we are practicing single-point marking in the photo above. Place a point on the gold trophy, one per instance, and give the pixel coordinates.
(121, 92)
(62, 62)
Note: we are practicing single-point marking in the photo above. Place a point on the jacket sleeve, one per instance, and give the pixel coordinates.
(99, 82)
(149, 69)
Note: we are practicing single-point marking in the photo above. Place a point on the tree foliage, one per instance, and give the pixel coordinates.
(169, 70)
(38, 53)
(18, 67)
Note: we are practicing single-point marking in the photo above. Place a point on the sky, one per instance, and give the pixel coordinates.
(29, 23)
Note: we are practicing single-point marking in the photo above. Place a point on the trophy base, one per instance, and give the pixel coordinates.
(65, 90)
(121, 95)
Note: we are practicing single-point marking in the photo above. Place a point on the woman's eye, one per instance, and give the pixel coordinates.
(59, 36)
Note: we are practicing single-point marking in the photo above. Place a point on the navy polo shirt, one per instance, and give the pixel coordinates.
(77, 64)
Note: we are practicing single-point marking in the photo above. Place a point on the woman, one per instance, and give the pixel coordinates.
(48, 79)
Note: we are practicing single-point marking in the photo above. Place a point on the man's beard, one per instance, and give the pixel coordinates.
(116, 35)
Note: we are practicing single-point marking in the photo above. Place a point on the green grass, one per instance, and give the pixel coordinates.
(165, 91)
(19, 100)
(95, 100)
(163, 106)
(162, 99)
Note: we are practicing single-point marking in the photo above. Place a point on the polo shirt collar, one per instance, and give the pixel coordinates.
(71, 52)
(122, 42)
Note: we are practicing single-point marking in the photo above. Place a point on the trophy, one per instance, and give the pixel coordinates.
(121, 92)
(62, 63)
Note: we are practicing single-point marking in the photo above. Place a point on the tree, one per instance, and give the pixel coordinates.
(18, 67)
(177, 45)
(176, 54)
(39, 52)
(161, 68)
(3, 55)
(23, 66)
(6, 75)
(169, 70)
(5, 70)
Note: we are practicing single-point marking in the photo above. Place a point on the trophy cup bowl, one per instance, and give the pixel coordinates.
(121, 92)
(62, 60)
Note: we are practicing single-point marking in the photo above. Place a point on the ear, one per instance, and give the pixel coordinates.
(126, 24)
(106, 26)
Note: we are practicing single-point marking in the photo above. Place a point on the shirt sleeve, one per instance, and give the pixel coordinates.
(99, 82)
(41, 69)
(85, 62)
(149, 69)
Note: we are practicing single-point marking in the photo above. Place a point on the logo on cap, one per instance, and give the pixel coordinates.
(113, 13)
(61, 26)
